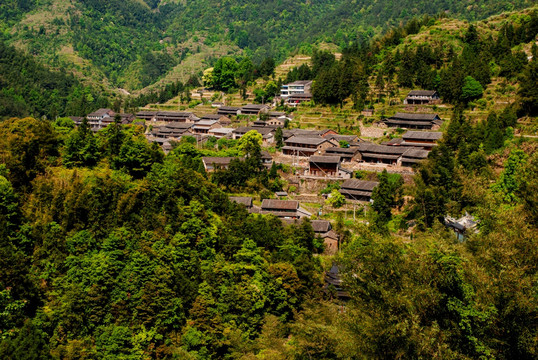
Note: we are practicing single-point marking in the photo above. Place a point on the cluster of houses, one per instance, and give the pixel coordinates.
(326, 150)
(291, 213)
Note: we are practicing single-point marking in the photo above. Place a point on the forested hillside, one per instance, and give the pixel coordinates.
(29, 88)
(134, 43)
(112, 249)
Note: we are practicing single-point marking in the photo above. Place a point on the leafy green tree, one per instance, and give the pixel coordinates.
(386, 195)
(335, 199)
(508, 183)
(471, 89)
(223, 75)
(251, 144)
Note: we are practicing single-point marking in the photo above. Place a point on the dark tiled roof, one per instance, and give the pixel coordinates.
(361, 185)
(369, 148)
(348, 138)
(305, 140)
(211, 117)
(101, 112)
(262, 130)
(416, 153)
(422, 135)
(243, 200)
(414, 117)
(228, 109)
(319, 159)
(254, 107)
(342, 151)
(321, 226)
(178, 125)
(422, 93)
(269, 204)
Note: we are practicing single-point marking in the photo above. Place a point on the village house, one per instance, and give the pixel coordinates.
(221, 132)
(424, 139)
(296, 99)
(146, 115)
(462, 227)
(288, 133)
(414, 121)
(346, 154)
(100, 115)
(254, 109)
(213, 163)
(222, 119)
(283, 209)
(381, 154)
(420, 139)
(422, 97)
(296, 87)
(125, 119)
(267, 159)
(306, 146)
(320, 165)
(276, 122)
(98, 120)
(229, 111)
(344, 138)
(172, 116)
(334, 284)
(266, 132)
(203, 126)
(360, 190)
(171, 130)
(413, 156)
(323, 229)
(246, 201)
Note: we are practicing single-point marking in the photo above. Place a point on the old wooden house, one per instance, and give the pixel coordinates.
(422, 97)
(306, 146)
(254, 109)
(355, 189)
(346, 154)
(283, 209)
(229, 110)
(323, 165)
(414, 121)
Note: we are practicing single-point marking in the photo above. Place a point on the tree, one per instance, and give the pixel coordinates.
(25, 147)
(223, 75)
(528, 91)
(8, 209)
(279, 138)
(81, 147)
(471, 89)
(251, 144)
(384, 196)
(136, 156)
(336, 199)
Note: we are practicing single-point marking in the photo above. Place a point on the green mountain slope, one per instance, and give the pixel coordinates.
(133, 43)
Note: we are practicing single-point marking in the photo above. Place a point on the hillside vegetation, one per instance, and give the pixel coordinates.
(110, 249)
(133, 43)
